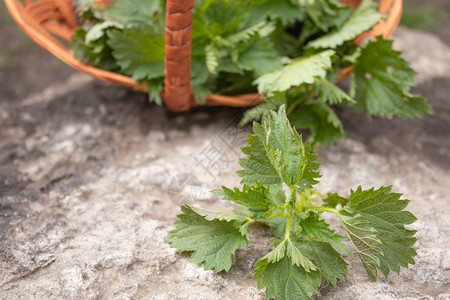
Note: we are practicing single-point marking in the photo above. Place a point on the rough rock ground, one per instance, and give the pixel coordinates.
(85, 166)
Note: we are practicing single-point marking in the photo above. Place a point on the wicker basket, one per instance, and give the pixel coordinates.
(49, 22)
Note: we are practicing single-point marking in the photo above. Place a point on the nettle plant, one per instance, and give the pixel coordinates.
(278, 176)
(292, 51)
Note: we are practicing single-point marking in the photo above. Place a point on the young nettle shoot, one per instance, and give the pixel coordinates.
(307, 253)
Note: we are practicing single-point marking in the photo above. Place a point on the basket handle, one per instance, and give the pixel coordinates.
(178, 91)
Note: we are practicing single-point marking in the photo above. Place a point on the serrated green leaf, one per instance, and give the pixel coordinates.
(291, 250)
(240, 221)
(277, 194)
(310, 170)
(328, 261)
(257, 167)
(262, 29)
(384, 210)
(256, 113)
(138, 52)
(97, 52)
(97, 31)
(284, 11)
(361, 20)
(154, 89)
(277, 226)
(326, 14)
(294, 252)
(317, 116)
(276, 153)
(259, 56)
(299, 71)
(333, 200)
(304, 2)
(283, 146)
(285, 280)
(381, 83)
(213, 237)
(223, 17)
(277, 254)
(139, 13)
(314, 227)
(212, 59)
(199, 70)
(226, 64)
(364, 238)
(256, 198)
(329, 93)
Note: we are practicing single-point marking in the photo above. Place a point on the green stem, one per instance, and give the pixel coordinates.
(293, 196)
(249, 220)
(302, 202)
(277, 214)
(329, 209)
(288, 229)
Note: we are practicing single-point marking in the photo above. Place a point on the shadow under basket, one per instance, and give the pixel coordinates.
(51, 23)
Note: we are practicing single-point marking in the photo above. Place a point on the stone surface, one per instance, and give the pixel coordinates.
(84, 208)
(428, 54)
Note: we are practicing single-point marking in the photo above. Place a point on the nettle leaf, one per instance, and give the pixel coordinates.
(199, 70)
(213, 237)
(299, 71)
(97, 52)
(257, 167)
(262, 29)
(295, 253)
(98, 31)
(328, 261)
(292, 251)
(277, 226)
(326, 14)
(384, 210)
(310, 173)
(285, 280)
(277, 195)
(316, 228)
(320, 119)
(256, 113)
(259, 56)
(304, 2)
(154, 88)
(138, 52)
(212, 59)
(333, 200)
(222, 17)
(283, 146)
(283, 156)
(240, 220)
(364, 238)
(142, 12)
(381, 83)
(361, 20)
(256, 198)
(284, 11)
(329, 93)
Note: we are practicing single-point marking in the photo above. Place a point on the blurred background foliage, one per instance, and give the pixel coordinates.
(425, 16)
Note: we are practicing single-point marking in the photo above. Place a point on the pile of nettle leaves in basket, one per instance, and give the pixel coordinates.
(289, 50)
(306, 254)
